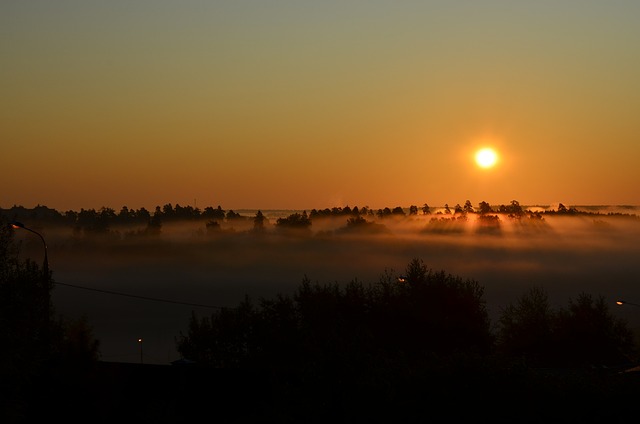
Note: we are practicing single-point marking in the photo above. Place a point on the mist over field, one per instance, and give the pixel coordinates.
(566, 254)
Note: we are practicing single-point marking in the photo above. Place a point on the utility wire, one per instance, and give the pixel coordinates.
(136, 296)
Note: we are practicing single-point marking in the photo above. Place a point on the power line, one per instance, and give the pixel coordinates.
(136, 296)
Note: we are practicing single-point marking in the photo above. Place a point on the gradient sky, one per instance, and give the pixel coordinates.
(314, 104)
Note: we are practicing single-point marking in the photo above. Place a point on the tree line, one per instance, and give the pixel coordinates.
(105, 219)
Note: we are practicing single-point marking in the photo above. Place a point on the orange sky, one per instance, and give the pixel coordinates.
(290, 104)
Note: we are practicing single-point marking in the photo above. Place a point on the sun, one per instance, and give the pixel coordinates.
(486, 157)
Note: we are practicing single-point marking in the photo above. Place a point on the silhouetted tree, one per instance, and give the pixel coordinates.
(186, 212)
(259, 221)
(125, 216)
(426, 210)
(447, 311)
(217, 214)
(231, 215)
(398, 211)
(96, 222)
(294, 222)
(220, 340)
(167, 212)
(514, 210)
(484, 208)
(525, 328)
(468, 208)
(583, 335)
(536, 216)
(71, 217)
(213, 226)
(383, 213)
(315, 213)
(587, 335)
(154, 226)
(359, 224)
(142, 215)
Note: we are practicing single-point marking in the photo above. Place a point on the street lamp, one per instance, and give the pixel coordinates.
(45, 267)
(140, 341)
(46, 297)
(624, 302)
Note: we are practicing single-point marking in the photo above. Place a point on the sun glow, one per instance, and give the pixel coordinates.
(486, 157)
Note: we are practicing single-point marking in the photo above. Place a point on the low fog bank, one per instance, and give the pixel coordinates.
(186, 263)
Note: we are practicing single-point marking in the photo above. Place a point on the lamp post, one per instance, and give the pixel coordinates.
(46, 295)
(140, 341)
(624, 302)
(45, 266)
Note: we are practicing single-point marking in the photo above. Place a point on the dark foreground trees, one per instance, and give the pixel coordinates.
(420, 347)
(42, 355)
(350, 350)
(584, 335)
(426, 313)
